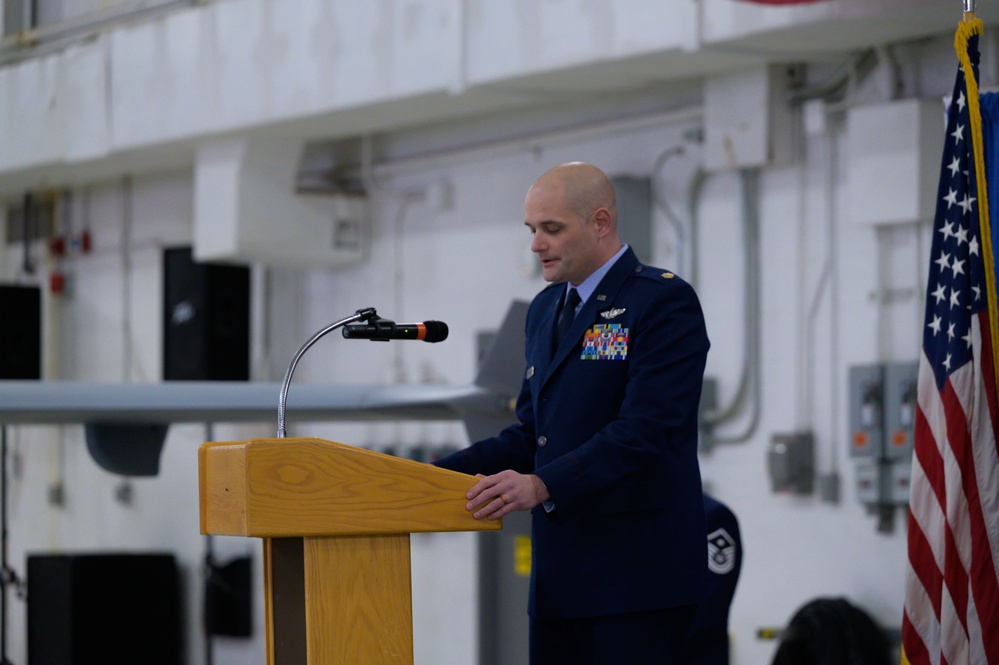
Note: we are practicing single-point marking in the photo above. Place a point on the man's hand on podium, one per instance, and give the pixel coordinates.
(502, 493)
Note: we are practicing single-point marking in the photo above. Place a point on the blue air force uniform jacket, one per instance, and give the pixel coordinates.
(609, 423)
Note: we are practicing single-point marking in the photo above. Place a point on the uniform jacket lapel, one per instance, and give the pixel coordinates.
(546, 333)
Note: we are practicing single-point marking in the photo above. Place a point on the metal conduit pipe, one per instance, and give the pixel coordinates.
(750, 381)
(693, 199)
(661, 202)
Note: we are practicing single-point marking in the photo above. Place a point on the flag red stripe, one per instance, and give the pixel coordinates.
(929, 458)
(984, 583)
(955, 574)
(928, 503)
(988, 373)
(925, 567)
(915, 650)
(956, 579)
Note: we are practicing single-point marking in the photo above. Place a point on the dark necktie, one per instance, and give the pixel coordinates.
(566, 316)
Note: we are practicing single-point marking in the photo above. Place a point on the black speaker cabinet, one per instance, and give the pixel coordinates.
(113, 609)
(206, 319)
(229, 598)
(21, 332)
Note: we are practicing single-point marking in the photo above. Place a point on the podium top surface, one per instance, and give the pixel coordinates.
(312, 487)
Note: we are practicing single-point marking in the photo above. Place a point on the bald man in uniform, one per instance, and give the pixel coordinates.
(605, 450)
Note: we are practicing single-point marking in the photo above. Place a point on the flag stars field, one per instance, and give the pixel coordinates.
(951, 197)
(940, 293)
(958, 133)
(967, 203)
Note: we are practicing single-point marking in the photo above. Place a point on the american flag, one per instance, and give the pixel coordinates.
(951, 612)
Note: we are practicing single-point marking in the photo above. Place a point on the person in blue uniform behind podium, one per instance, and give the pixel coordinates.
(605, 450)
(708, 641)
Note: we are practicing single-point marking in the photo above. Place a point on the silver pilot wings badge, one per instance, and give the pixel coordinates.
(612, 313)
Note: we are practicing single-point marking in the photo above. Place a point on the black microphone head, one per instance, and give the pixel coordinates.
(436, 331)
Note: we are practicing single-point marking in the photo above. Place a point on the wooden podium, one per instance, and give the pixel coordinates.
(335, 522)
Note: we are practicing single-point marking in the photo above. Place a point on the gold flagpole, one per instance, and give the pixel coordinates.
(969, 11)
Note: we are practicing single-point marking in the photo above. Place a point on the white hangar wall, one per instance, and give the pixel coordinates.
(129, 161)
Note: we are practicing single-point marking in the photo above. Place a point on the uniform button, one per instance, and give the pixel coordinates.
(542, 440)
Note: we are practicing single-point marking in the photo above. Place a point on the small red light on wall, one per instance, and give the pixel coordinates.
(57, 283)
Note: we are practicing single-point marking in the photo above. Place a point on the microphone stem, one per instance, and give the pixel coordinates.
(360, 315)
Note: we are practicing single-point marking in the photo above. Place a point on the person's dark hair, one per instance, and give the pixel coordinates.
(831, 631)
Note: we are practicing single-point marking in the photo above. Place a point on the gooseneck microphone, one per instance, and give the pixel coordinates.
(373, 327)
(383, 330)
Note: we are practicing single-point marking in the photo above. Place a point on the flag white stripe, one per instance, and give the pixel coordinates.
(975, 638)
(954, 643)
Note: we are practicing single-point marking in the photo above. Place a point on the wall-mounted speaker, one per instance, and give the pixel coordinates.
(206, 319)
(21, 332)
(113, 609)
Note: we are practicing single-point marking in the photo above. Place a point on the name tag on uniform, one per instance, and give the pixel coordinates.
(605, 341)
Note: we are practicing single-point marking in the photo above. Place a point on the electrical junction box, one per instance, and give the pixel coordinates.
(872, 482)
(790, 461)
(899, 478)
(900, 384)
(884, 483)
(893, 155)
(866, 411)
(747, 119)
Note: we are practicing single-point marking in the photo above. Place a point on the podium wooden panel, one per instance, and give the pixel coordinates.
(335, 522)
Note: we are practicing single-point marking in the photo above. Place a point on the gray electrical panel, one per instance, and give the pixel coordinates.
(867, 411)
(900, 408)
(882, 424)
